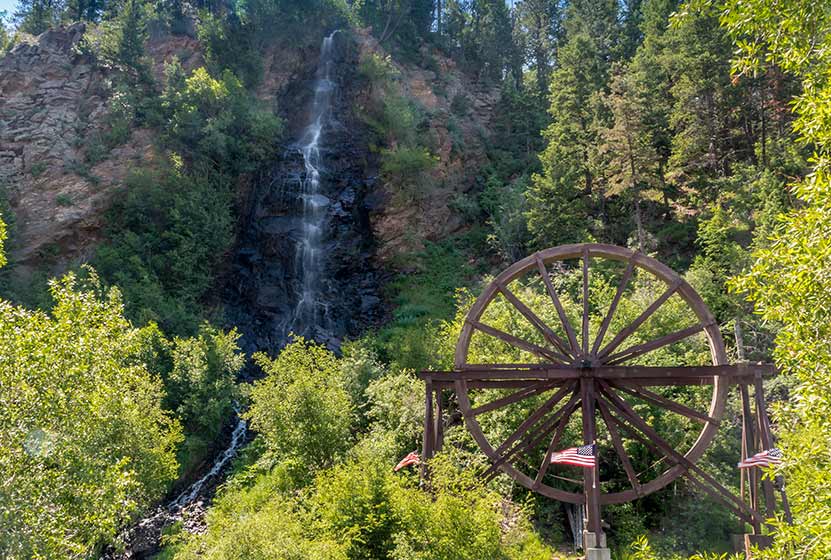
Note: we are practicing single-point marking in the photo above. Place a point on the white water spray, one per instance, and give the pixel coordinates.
(195, 489)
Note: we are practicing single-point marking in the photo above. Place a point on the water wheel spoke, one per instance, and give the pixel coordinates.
(617, 442)
(534, 417)
(517, 342)
(538, 323)
(561, 427)
(607, 320)
(647, 313)
(634, 423)
(515, 397)
(641, 349)
(585, 322)
(561, 313)
(654, 398)
(533, 438)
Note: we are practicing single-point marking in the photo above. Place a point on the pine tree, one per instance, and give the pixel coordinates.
(560, 200)
(36, 16)
(628, 152)
(539, 26)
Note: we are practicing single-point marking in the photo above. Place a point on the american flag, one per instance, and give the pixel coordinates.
(763, 459)
(412, 458)
(577, 456)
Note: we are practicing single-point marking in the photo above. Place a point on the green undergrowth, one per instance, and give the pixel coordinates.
(422, 295)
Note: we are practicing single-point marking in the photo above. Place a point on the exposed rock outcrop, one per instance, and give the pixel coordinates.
(458, 112)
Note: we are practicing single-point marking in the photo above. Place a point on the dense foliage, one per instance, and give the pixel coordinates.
(85, 443)
(789, 280)
(628, 122)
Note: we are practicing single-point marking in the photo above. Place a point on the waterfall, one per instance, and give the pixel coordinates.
(310, 311)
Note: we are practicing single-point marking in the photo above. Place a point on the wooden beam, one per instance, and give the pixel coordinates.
(552, 445)
(530, 347)
(623, 373)
(607, 320)
(633, 326)
(646, 347)
(637, 422)
(552, 293)
(538, 323)
(520, 395)
(767, 443)
(662, 401)
(585, 321)
(617, 441)
(591, 477)
(749, 445)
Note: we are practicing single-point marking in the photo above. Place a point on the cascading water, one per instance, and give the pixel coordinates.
(311, 310)
(304, 259)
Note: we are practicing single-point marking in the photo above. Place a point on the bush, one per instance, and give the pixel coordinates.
(301, 408)
(405, 168)
(201, 387)
(396, 406)
(215, 122)
(85, 444)
(361, 509)
(167, 233)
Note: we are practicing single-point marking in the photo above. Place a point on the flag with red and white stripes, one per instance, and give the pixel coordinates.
(763, 459)
(412, 458)
(583, 456)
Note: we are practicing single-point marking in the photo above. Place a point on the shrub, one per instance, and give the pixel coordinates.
(301, 408)
(202, 385)
(216, 122)
(84, 442)
(167, 234)
(404, 169)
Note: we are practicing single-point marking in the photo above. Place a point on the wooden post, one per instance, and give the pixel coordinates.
(591, 478)
(438, 429)
(429, 440)
(767, 442)
(749, 447)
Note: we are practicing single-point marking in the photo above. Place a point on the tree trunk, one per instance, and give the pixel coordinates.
(639, 221)
(737, 328)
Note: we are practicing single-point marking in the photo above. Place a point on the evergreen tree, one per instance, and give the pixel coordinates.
(560, 199)
(539, 26)
(36, 16)
(628, 152)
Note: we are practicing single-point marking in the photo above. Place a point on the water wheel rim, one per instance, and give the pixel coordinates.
(661, 271)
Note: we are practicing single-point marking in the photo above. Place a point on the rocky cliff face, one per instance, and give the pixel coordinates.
(53, 106)
(54, 101)
(458, 113)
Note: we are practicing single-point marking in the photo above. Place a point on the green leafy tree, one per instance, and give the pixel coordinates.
(789, 280)
(301, 408)
(215, 122)
(167, 234)
(201, 385)
(85, 444)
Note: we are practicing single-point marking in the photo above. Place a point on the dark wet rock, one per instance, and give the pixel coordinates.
(265, 279)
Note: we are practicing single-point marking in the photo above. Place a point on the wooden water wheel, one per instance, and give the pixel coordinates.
(589, 329)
